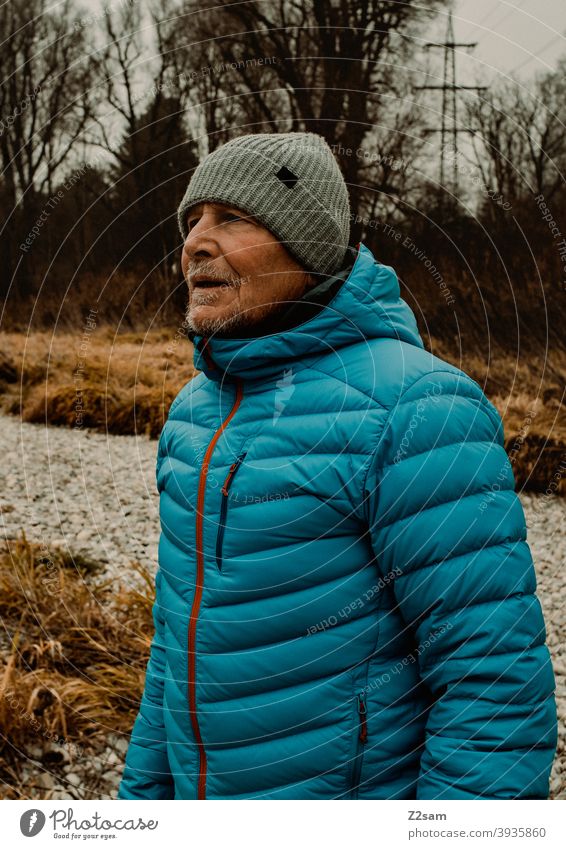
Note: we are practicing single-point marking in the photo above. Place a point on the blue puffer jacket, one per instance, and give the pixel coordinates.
(346, 599)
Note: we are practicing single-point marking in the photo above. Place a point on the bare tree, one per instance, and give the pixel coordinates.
(44, 104)
(312, 65)
(520, 136)
(125, 65)
(44, 108)
(142, 103)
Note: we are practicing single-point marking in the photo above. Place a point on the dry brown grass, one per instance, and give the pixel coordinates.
(120, 385)
(530, 396)
(73, 652)
(126, 384)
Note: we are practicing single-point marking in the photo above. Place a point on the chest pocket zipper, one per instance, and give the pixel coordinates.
(361, 738)
(224, 507)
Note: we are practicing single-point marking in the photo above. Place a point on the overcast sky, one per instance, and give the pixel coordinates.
(515, 37)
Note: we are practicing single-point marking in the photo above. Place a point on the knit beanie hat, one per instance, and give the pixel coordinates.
(290, 182)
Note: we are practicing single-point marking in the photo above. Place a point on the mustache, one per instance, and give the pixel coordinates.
(207, 270)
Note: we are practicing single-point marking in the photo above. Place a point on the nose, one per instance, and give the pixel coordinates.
(201, 242)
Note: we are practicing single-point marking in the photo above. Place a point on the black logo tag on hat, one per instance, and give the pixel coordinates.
(287, 177)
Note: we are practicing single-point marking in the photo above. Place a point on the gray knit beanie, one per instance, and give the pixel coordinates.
(290, 182)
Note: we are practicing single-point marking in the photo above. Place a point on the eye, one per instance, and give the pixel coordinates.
(192, 221)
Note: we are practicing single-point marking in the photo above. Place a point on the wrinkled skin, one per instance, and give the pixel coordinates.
(256, 277)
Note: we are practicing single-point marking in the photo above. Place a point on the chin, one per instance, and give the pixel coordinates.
(206, 322)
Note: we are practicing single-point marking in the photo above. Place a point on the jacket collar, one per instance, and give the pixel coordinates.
(366, 306)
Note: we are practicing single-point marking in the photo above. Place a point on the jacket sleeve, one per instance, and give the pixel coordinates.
(146, 773)
(444, 517)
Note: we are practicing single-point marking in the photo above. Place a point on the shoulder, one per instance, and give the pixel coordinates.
(434, 409)
(389, 371)
(417, 397)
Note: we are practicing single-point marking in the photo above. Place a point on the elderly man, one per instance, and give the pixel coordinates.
(345, 600)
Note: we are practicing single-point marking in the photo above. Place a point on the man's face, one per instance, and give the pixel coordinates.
(247, 274)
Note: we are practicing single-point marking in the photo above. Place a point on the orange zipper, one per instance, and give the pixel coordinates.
(198, 593)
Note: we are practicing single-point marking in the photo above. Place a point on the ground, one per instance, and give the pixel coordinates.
(94, 496)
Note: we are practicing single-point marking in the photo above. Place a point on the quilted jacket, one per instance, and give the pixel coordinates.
(345, 601)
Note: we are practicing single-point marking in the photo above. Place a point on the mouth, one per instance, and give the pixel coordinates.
(208, 284)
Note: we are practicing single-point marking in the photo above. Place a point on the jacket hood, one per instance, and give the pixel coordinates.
(367, 306)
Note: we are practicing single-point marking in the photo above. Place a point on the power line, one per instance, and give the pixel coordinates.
(450, 89)
(538, 53)
(517, 8)
(485, 17)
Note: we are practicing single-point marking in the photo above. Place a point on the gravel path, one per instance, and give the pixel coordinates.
(546, 534)
(96, 494)
(89, 492)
